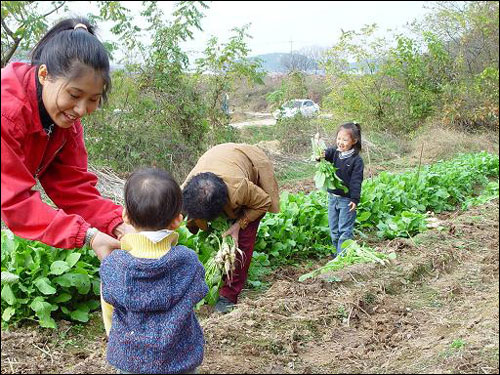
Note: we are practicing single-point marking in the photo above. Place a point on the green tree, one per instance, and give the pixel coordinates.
(419, 71)
(221, 66)
(167, 120)
(469, 31)
(25, 22)
(293, 86)
(423, 75)
(353, 66)
(166, 67)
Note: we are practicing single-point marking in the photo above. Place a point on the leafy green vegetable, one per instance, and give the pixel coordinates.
(325, 177)
(41, 282)
(352, 253)
(207, 244)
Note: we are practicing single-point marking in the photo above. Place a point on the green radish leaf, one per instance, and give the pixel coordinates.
(45, 286)
(80, 315)
(72, 259)
(9, 278)
(8, 313)
(59, 267)
(63, 297)
(42, 310)
(8, 296)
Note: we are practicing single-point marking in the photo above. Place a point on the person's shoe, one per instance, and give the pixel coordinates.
(224, 305)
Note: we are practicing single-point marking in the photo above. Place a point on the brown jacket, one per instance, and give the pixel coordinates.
(249, 176)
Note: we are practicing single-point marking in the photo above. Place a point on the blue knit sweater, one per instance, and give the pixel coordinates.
(154, 327)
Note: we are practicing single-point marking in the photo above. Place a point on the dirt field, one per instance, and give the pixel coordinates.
(434, 310)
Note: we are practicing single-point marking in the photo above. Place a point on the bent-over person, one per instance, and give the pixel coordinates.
(236, 180)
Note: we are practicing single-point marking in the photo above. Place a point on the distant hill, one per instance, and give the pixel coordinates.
(272, 62)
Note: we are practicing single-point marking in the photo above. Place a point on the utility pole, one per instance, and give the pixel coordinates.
(292, 63)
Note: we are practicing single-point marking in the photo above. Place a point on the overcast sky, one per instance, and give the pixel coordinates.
(278, 26)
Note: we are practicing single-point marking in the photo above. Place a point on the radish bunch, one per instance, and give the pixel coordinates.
(325, 177)
(222, 262)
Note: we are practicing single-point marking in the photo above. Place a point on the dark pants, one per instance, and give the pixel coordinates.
(246, 243)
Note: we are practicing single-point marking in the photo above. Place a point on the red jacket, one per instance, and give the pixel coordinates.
(59, 163)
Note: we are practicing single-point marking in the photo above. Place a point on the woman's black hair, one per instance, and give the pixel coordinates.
(204, 196)
(68, 52)
(355, 130)
(152, 199)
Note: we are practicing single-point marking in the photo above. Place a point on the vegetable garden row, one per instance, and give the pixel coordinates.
(42, 283)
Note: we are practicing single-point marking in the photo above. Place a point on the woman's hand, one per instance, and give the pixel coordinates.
(233, 232)
(122, 230)
(103, 245)
(352, 206)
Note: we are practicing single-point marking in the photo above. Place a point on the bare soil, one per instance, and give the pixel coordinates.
(435, 309)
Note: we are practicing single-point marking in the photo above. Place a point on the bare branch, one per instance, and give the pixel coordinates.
(8, 55)
(53, 10)
(7, 30)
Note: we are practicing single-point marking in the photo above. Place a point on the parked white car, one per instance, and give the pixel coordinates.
(306, 107)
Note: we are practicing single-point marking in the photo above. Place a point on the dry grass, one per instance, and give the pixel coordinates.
(442, 143)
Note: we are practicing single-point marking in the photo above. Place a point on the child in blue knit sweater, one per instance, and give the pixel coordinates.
(152, 284)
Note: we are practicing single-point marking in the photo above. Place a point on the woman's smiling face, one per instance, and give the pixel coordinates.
(67, 100)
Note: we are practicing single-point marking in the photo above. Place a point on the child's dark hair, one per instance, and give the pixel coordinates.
(355, 130)
(152, 199)
(67, 51)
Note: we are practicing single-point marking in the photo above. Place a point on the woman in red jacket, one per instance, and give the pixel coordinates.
(42, 138)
